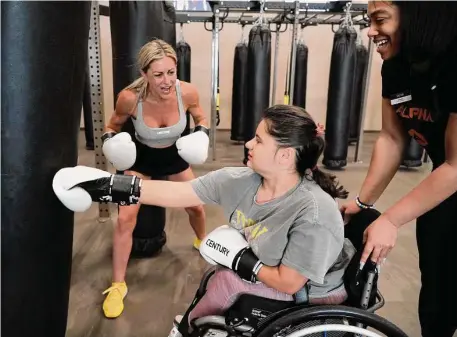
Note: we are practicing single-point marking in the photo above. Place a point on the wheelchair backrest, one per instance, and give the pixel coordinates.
(356, 280)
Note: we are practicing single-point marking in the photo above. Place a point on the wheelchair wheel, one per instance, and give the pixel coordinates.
(329, 321)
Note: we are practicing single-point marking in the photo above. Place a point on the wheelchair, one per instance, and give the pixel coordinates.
(254, 316)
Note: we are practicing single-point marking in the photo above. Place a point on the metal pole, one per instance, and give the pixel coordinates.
(294, 53)
(366, 78)
(275, 66)
(214, 81)
(96, 95)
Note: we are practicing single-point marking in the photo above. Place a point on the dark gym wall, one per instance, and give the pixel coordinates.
(43, 63)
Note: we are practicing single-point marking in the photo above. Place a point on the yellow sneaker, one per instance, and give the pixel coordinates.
(114, 302)
(197, 243)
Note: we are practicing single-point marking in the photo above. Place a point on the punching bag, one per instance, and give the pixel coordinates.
(339, 102)
(133, 24)
(183, 52)
(239, 90)
(43, 64)
(258, 90)
(301, 73)
(356, 110)
(87, 112)
(412, 156)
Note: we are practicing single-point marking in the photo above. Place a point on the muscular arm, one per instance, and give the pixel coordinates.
(194, 107)
(122, 111)
(386, 157)
(282, 278)
(438, 186)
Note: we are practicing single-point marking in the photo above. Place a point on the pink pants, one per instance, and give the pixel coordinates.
(224, 287)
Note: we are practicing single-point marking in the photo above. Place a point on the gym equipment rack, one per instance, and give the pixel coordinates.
(295, 13)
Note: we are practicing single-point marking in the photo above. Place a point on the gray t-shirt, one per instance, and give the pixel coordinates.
(303, 229)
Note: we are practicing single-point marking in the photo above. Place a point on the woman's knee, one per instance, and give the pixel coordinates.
(195, 211)
(127, 218)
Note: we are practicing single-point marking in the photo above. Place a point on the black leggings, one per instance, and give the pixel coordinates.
(436, 235)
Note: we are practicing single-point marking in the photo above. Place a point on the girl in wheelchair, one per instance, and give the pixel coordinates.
(285, 239)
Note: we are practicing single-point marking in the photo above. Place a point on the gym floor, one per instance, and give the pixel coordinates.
(163, 286)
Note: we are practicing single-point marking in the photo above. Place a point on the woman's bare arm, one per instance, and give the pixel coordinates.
(168, 194)
(438, 186)
(122, 111)
(192, 99)
(282, 278)
(387, 155)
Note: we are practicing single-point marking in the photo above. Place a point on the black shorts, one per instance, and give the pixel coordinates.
(158, 162)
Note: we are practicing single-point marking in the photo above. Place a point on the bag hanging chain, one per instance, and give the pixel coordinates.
(347, 22)
(181, 32)
(243, 34)
(261, 19)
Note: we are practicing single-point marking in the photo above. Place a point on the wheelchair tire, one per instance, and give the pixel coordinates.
(309, 314)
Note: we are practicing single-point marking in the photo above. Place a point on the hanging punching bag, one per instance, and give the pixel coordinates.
(412, 156)
(301, 73)
(183, 52)
(134, 23)
(258, 90)
(43, 64)
(339, 102)
(356, 110)
(239, 89)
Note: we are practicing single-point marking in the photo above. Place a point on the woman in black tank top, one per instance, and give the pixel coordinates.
(417, 41)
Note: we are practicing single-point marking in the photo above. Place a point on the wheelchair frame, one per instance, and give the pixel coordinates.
(219, 321)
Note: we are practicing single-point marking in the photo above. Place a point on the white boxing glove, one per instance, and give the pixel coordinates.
(193, 148)
(228, 247)
(119, 150)
(77, 187)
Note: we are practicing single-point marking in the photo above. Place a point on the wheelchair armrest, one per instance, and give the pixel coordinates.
(204, 281)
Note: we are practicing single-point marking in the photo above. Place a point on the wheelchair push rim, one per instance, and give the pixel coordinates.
(325, 312)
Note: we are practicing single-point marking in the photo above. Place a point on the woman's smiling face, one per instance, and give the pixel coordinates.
(384, 27)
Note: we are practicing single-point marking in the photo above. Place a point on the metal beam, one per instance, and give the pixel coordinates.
(214, 81)
(294, 53)
(96, 94)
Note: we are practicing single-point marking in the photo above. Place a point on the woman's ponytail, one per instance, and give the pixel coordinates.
(329, 183)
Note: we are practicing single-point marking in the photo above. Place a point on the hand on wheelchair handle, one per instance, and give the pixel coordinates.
(379, 239)
(349, 209)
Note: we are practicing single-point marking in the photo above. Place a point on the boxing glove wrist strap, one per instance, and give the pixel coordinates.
(119, 188)
(201, 128)
(125, 189)
(247, 265)
(108, 135)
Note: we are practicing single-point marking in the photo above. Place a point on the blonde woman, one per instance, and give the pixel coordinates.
(157, 103)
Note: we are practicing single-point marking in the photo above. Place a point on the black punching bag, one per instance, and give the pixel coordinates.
(339, 102)
(87, 112)
(43, 61)
(412, 156)
(183, 52)
(239, 90)
(301, 73)
(356, 110)
(258, 90)
(133, 24)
